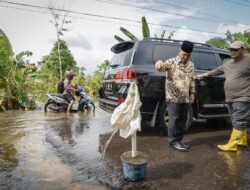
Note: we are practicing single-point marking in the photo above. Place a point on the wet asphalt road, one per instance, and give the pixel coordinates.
(203, 167)
(56, 151)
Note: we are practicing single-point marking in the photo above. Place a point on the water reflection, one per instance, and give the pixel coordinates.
(65, 132)
(234, 170)
(8, 137)
(68, 128)
(8, 154)
(233, 161)
(68, 131)
(46, 151)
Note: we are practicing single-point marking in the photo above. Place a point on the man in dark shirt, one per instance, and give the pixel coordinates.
(237, 91)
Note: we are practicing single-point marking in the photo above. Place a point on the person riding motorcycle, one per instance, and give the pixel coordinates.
(68, 89)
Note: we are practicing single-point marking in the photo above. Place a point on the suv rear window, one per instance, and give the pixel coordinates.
(204, 60)
(143, 54)
(122, 59)
(148, 53)
(164, 52)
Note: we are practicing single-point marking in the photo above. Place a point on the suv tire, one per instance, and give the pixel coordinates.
(163, 118)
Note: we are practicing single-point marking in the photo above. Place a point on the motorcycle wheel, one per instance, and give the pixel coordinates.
(51, 107)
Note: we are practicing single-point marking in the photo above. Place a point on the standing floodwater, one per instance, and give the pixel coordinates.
(52, 151)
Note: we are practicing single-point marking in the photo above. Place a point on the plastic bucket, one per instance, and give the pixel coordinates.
(134, 169)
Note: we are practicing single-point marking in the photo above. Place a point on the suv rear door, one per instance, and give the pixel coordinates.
(112, 82)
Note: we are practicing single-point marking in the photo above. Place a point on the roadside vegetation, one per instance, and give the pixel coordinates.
(22, 83)
(224, 43)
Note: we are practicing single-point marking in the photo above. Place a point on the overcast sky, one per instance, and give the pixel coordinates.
(90, 37)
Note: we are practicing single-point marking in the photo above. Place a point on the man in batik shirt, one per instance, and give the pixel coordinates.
(180, 90)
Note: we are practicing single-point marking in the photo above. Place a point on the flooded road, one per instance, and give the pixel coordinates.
(52, 151)
(56, 151)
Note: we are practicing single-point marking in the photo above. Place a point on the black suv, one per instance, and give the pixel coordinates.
(134, 61)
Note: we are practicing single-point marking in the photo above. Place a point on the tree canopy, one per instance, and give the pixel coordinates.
(93, 82)
(51, 63)
(224, 43)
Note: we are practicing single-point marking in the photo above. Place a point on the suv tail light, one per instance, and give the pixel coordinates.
(121, 100)
(125, 74)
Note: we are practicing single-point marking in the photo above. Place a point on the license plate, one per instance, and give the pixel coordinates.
(108, 86)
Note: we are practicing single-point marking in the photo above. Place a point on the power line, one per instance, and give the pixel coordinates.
(238, 3)
(161, 11)
(108, 17)
(24, 9)
(104, 21)
(48, 13)
(203, 13)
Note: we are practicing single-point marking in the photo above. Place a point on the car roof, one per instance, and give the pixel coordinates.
(179, 42)
(123, 46)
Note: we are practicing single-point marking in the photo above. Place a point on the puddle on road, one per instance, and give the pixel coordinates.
(52, 151)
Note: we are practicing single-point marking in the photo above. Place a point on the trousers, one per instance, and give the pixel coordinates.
(178, 113)
(239, 114)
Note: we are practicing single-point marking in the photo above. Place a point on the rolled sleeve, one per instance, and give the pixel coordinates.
(166, 65)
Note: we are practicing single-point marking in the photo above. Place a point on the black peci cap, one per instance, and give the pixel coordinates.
(187, 46)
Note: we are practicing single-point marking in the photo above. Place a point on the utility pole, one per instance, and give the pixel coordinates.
(59, 21)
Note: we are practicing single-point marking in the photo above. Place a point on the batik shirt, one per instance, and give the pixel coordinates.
(179, 80)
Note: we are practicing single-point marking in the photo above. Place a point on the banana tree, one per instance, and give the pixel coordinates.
(145, 28)
(128, 34)
(6, 55)
(12, 77)
(145, 32)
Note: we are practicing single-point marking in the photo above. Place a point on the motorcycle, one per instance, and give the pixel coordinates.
(57, 102)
